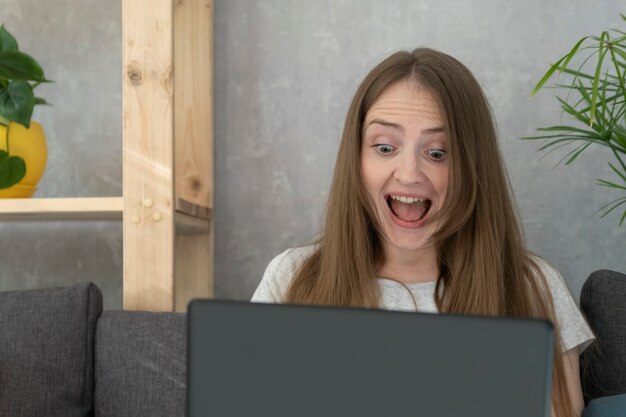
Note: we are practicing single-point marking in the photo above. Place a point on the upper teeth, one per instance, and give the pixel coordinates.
(409, 200)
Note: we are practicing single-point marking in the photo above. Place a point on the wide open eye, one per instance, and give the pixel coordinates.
(384, 149)
(437, 154)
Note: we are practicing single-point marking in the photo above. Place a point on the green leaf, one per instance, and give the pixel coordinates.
(619, 136)
(618, 40)
(584, 92)
(573, 154)
(578, 151)
(16, 65)
(596, 80)
(610, 203)
(573, 51)
(557, 136)
(12, 170)
(614, 48)
(573, 112)
(39, 100)
(546, 76)
(569, 139)
(615, 204)
(604, 105)
(576, 73)
(623, 218)
(7, 41)
(612, 99)
(619, 51)
(557, 147)
(17, 102)
(619, 174)
(560, 142)
(610, 184)
(565, 128)
(619, 158)
(565, 60)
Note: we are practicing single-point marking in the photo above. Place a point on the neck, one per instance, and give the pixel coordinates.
(410, 266)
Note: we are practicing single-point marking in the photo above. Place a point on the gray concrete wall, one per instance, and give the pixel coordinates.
(78, 44)
(285, 72)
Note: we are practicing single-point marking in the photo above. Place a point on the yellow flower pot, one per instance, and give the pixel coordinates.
(30, 145)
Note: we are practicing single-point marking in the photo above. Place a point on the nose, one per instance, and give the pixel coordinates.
(409, 169)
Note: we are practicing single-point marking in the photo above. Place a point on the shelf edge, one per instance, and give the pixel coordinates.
(55, 209)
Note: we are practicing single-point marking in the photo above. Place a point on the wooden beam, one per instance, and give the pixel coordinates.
(148, 135)
(193, 127)
(45, 209)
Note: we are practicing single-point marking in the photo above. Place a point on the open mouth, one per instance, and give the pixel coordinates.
(408, 209)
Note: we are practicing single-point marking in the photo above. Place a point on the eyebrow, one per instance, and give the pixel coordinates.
(401, 128)
(385, 123)
(433, 130)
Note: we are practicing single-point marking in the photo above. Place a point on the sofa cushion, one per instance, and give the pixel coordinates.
(603, 365)
(46, 351)
(611, 406)
(141, 364)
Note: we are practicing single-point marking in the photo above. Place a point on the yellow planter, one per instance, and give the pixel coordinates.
(29, 144)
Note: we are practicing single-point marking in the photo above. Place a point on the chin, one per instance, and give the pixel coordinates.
(414, 241)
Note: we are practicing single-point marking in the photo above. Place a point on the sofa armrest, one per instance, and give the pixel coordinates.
(46, 351)
(603, 365)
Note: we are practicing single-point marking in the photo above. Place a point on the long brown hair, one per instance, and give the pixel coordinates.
(484, 266)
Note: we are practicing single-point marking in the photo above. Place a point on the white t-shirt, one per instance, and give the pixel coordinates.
(574, 329)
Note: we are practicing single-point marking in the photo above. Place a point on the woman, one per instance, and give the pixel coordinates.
(420, 215)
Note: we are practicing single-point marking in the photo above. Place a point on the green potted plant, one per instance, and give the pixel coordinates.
(595, 104)
(23, 151)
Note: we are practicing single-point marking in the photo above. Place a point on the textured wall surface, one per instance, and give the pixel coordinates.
(78, 44)
(285, 72)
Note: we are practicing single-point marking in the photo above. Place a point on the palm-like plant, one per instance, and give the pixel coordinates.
(596, 103)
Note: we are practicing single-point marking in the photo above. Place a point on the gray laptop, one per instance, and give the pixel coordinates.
(258, 360)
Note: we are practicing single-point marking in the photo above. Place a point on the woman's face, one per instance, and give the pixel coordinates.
(404, 164)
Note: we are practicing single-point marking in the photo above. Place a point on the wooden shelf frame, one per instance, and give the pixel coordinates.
(168, 149)
(167, 126)
(56, 209)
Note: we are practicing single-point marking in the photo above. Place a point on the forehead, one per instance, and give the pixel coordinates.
(405, 99)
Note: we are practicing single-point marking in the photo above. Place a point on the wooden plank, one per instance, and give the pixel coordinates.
(191, 209)
(44, 209)
(148, 154)
(193, 127)
(193, 107)
(194, 268)
(190, 225)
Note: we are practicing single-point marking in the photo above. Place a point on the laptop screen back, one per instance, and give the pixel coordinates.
(257, 360)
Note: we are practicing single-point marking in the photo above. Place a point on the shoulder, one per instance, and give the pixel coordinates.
(575, 332)
(554, 280)
(279, 273)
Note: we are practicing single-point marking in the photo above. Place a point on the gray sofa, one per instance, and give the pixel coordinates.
(603, 364)
(61, 355)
